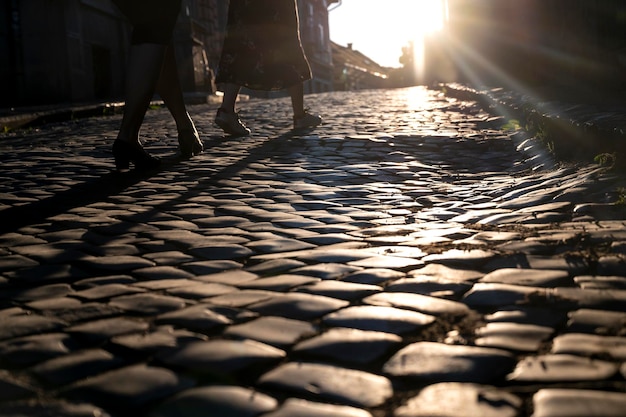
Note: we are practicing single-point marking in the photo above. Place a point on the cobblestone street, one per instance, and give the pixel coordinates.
(415, 256)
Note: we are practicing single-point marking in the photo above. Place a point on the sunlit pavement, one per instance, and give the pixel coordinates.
(410, 257)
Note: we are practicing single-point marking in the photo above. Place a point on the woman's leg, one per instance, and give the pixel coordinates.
(231, 92)
(168, 87)
(227, 118)
(302, 119)
(297, 100)
(153, 23)
(144, 69)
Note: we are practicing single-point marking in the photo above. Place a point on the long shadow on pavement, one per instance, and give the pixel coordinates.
(111, 184)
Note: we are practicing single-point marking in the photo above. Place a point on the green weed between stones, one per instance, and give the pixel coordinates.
(606, 159)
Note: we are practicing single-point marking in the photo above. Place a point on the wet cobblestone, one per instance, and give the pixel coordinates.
(411, 257)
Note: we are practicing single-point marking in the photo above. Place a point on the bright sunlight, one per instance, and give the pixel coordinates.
(430, 16)
(380, 29)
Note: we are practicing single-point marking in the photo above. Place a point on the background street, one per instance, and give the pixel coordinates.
(415, 255)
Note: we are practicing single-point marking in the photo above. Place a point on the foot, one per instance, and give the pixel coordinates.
(306, 121)
(126, 152)
(229, 122)
(189, 143)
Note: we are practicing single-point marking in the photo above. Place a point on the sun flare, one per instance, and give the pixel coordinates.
(430, 16)
(381, 31)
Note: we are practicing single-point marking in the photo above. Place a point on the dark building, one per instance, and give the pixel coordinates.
(314, 33)
(53, 51)
(198, 38)
(76, 50)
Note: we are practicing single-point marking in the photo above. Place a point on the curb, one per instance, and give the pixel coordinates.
(572, 132)
(36, 117)
(11, 119)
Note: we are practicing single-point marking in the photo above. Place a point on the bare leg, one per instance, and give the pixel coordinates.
(302, 119)
(297, 100)
(231, 92)
(227, 118)
(144, 67)
(168, 87)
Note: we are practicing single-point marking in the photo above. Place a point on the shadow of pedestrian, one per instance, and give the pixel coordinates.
(115, 183)
(80, 195)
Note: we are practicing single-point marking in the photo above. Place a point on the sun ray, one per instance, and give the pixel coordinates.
(431, 17)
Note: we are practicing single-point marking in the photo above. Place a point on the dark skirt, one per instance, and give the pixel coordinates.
(153, 21)
(262, 49)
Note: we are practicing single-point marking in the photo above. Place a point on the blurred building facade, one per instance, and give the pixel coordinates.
(198, 39)
(75, 51)
(355, 71)
(315, 37)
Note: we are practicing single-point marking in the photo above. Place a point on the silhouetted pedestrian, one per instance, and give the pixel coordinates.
(263, 51)
(151, 67)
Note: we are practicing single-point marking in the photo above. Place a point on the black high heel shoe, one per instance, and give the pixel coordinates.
(189, 143)
(126, 152)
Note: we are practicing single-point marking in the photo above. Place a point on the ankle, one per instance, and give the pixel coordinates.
(186, 128)
(185, 124)
(127, 139)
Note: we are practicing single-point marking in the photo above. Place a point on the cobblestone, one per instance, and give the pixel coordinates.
(413, 256)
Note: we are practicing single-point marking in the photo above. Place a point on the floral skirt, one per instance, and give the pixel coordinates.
(262, 49)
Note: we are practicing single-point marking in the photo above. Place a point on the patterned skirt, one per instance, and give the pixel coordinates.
(262, 49)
